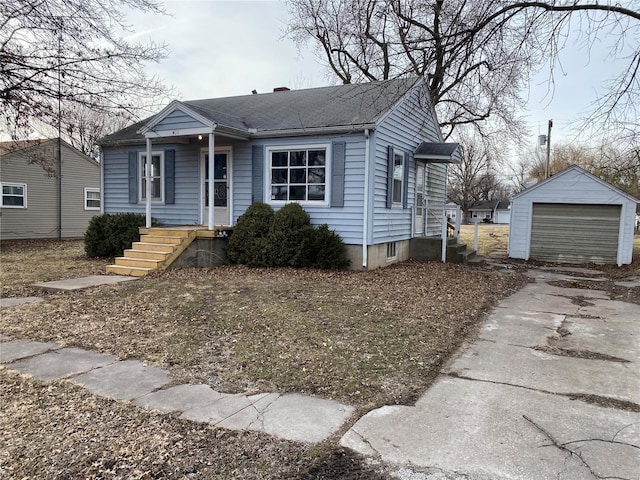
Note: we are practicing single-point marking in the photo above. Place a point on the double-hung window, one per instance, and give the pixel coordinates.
(157, 176)
(398, 178)
(14, 195)
(298, 174)
(91, 198)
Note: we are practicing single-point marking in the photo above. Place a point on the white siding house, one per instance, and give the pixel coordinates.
(573, 217)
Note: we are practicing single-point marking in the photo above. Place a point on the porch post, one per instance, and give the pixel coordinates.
(147, 176)
(212, 149)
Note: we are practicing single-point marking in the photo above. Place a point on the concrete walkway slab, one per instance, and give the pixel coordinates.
(83, 282)
(179, 398)
(14, 301)
(631, 282)
(62, 363)
(123, 380)
(298, 417)
(11, 351)
(539, 370)
(478, 429)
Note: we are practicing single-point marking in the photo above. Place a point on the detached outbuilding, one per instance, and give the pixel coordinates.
(573, 217)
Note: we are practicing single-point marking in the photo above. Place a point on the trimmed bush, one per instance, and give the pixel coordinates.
(249, 244)
(109, 235)
(291, 225)
(323, 248)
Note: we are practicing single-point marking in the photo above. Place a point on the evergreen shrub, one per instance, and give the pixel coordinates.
(109, 235)
(249, 244)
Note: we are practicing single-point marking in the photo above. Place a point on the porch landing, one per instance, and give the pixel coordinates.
(158, 248)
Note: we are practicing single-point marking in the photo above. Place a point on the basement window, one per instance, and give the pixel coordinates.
(392, 250)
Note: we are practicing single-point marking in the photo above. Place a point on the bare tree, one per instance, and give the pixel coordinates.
(70, 55)
(476, 55)
(474, 179)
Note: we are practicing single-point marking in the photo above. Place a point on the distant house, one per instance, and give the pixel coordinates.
(502, 212)
(44, 199)
(482, 212)
(363, 158)
(452, 210)
(573, 217)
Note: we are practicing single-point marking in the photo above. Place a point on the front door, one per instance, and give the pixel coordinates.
(420, 200)
(221, 187)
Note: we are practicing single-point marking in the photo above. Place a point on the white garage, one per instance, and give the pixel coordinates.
(573, 217)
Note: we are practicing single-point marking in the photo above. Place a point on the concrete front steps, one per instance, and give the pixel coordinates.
(459, 253)
(157, 249)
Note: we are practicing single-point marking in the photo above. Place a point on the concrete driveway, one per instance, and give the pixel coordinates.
(550, 389)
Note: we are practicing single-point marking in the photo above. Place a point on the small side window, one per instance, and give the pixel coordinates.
(91, 198)
(14, 195)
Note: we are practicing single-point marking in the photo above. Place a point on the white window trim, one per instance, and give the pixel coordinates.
(24, 194)
(288, 147)
(142, 177)
(399, 153)
(86, 199)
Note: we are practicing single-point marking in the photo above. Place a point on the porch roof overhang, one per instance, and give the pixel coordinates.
(198, 125)
(437, 152)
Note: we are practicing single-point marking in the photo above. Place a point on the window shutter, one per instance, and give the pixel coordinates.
(169, 177)
(389, 176)
(133, 177)
(337, 173)
(257, 173)
(405, 181)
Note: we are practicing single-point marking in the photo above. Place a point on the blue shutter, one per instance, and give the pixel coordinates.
(133, 177)
(257, 173)
(169, 177)
(337, 174)
(405, 181)
(389, 176)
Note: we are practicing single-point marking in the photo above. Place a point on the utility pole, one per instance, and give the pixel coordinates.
(60, 127)
(546, 172)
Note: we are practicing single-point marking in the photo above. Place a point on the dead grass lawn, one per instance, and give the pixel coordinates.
(492, 239)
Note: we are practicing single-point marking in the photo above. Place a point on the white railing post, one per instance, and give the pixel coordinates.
(444, 235)
(475, 234)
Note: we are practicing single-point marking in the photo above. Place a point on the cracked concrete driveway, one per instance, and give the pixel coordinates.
(549, 390)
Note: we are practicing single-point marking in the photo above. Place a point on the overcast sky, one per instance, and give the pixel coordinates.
(224, 48)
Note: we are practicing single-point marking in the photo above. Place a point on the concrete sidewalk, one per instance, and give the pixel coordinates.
(288, 416)
(549, 390)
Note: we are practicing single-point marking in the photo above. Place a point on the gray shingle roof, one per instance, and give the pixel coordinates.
(353, 105)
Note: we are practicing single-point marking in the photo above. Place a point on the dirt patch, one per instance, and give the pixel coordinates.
(616, 292)
(342, 464)
(605, 401)
(568, 352)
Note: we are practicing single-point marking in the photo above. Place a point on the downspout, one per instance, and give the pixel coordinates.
(147, 174)
(101, 156)
(365, 207)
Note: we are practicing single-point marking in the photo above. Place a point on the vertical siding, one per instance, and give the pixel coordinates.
(404, 128)
(186, 209)
(40, 218)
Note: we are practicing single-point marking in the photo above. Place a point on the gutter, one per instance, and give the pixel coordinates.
(365, 206)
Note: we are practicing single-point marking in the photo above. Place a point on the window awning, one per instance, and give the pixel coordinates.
(438, 152)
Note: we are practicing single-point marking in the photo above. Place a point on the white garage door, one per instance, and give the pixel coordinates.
(572, 233)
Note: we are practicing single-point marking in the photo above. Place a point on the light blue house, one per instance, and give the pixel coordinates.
(364, 158)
